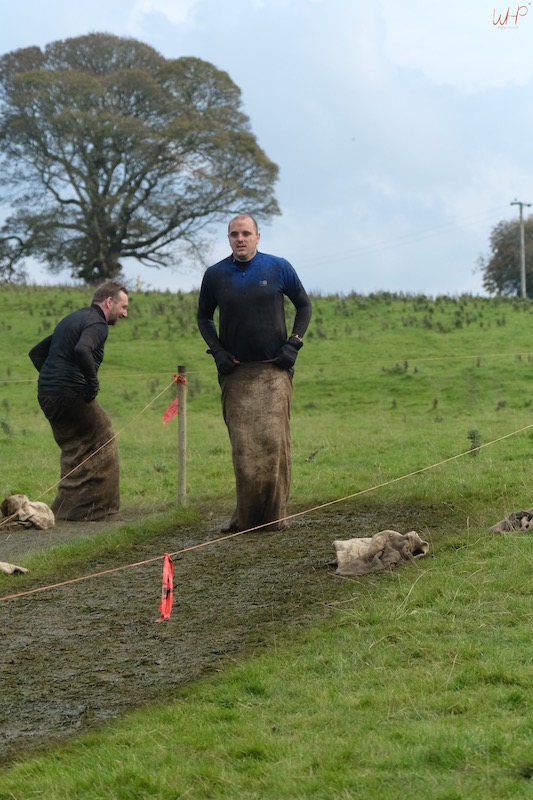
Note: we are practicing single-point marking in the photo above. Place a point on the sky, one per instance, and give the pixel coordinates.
(401, 128)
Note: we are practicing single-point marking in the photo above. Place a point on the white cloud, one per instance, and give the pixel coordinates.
(400, 127)
(178, 13)
(459, 44)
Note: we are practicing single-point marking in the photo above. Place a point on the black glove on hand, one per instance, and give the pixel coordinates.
(91, 391)
(287, 355)
(225, 361)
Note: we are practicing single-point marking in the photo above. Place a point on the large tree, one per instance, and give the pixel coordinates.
(108, 150)
(501, 270)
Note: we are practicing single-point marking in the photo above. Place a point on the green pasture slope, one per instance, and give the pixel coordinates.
(420, 684)
(384, 385)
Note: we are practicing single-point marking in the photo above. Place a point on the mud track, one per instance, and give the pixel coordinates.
(75, 657)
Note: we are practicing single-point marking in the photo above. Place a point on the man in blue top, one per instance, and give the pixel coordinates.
(255, 362)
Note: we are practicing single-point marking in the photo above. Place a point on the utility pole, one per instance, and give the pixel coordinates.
(522, 246)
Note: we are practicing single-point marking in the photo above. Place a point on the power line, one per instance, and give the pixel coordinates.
(396, 242)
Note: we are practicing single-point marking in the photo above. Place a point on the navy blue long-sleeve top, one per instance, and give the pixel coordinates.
(250, 299)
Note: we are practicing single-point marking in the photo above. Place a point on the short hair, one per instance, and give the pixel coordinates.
(244, 216)
(108, 289)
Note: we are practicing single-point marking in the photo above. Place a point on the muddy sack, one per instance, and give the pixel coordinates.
(20, 512)
(11, 569)
(256, 404)
(516, 521)
(89, 488)
(382, 551)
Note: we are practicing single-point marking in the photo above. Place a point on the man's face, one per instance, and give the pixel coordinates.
(117, 309)
(243, 239)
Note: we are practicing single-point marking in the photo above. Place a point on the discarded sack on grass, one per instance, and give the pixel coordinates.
(19, 512)
(383, 550)
(11, 569)
(517, 521)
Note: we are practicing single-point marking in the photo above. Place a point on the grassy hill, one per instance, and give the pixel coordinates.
(384, 385)
(409, 412)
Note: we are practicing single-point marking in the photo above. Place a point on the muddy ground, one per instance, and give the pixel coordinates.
(75, 657)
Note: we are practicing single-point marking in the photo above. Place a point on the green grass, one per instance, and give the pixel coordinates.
(425, 372)
(419, 684)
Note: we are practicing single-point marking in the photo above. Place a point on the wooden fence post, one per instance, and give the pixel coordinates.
(182, 438)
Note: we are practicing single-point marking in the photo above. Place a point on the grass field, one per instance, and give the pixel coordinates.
(384, 385)
(414, 684)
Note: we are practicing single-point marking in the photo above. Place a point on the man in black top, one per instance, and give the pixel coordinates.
(255, 362)
(68, 363)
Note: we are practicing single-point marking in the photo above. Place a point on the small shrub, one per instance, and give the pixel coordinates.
(475, 441)
(6, 428)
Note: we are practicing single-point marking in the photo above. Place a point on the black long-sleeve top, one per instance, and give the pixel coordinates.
(69, 359)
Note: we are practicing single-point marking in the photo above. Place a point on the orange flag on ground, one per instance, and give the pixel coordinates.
(165, 606)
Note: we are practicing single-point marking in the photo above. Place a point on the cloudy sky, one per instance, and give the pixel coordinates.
(401, 128)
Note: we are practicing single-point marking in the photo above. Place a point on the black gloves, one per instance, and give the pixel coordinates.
(225, 361)
(284, 360)
(287, 355)
(91, 391)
